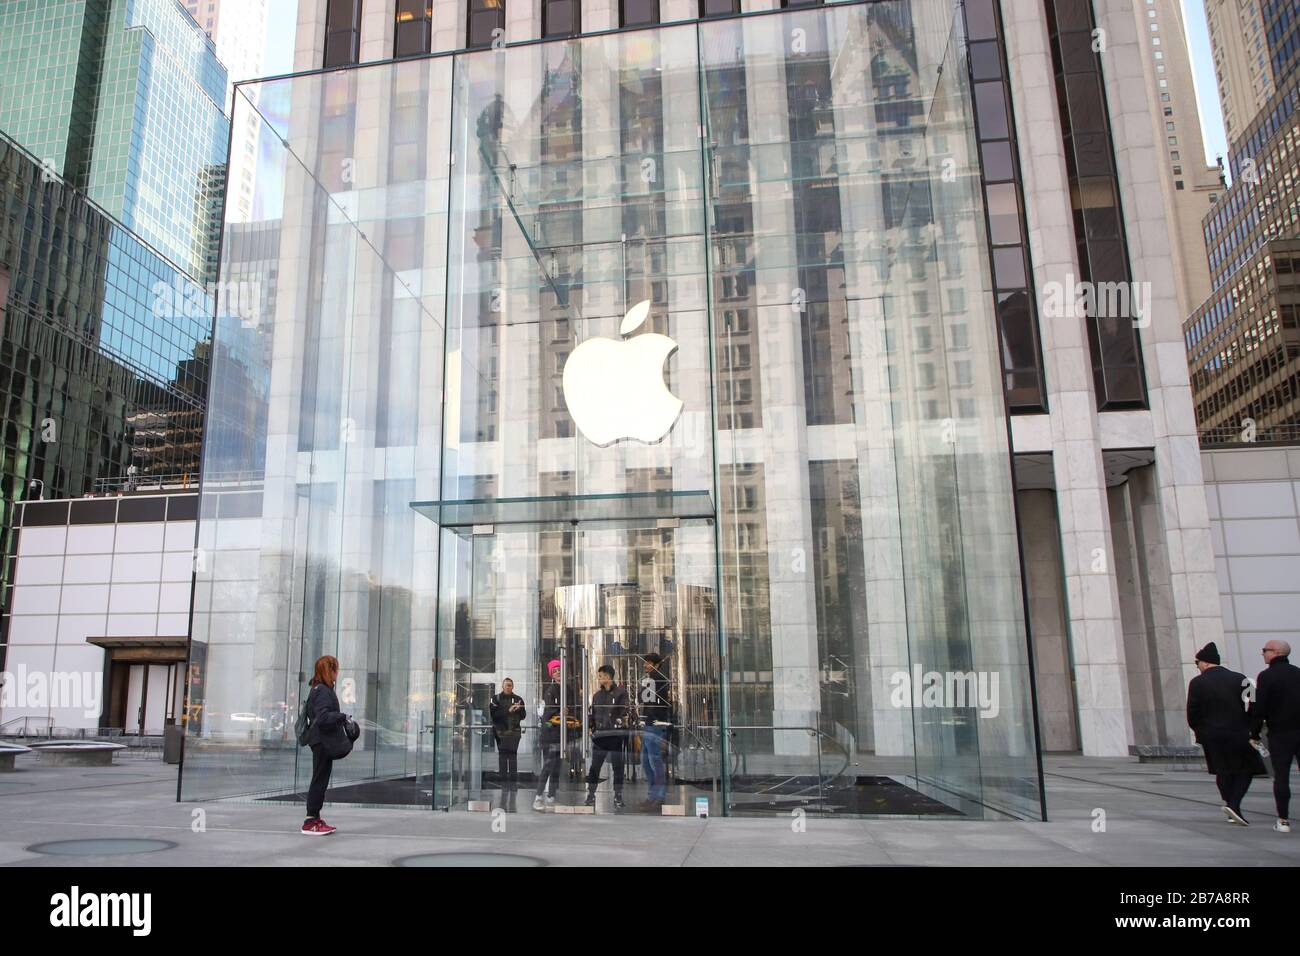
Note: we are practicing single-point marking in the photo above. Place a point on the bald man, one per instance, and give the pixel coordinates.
(1277, 706)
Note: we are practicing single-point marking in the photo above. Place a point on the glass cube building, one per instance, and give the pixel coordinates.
(592, 349)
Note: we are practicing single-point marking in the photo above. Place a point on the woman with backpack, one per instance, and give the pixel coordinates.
(329, 734)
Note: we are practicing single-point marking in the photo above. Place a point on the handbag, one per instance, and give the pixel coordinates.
(352, 729)
(338, 743)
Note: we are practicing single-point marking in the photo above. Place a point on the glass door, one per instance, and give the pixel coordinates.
(578, 668)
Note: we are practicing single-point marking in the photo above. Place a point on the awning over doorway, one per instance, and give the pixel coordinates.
(143, 649)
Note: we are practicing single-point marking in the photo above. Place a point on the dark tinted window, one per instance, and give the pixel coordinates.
(486, 17)
(981, 23)
(561, 18)
(45, 513)
(718, 8)
(342, 32)
(638, 12)
(142, 509)
(414, 20)
(94, 511)
(182, 507)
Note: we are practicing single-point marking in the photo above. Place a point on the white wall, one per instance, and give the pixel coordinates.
(1254, 500)
(92, 580)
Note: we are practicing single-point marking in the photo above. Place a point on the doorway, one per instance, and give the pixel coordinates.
(607, 631)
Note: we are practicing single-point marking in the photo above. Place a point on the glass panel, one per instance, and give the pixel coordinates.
(308, 544)
(839, 577)
(548, 609)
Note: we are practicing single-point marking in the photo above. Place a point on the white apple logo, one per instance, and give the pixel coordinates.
(615, 389)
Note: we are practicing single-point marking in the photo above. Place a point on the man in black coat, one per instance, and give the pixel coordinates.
(507, 712)
(611, 715)
(1217, 711)
(1277, 706)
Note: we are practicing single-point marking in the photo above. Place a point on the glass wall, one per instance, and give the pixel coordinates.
(669, 350)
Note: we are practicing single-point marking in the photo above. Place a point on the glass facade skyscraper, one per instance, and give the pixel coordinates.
(670, 349)
(104, 349)
(124, 99)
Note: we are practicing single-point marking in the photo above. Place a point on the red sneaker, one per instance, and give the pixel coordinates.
(324, 828)
(317, 828)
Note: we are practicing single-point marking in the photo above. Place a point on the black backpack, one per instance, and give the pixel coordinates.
(302, 725)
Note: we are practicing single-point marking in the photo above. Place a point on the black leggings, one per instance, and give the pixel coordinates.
(1233, 787)
(320, 780)
(1281, 751)
(508, 767)
(599, 752)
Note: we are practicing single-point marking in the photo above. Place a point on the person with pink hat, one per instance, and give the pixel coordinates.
(549, 780)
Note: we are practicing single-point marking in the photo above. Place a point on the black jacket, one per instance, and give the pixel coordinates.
(323, 712)
(611, 712)
(550, 732)
(653, 698)
(1277, 698)
(1215, 705)
(505, 722)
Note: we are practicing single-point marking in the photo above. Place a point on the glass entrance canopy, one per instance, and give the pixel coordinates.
(662, 355)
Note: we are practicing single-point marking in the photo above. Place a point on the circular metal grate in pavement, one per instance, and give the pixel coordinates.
(101, 847)
(468, 859)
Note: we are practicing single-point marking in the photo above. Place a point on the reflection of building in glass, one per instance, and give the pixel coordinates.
(127, 105)
(238, 30)
(827, 212)
(103, 360)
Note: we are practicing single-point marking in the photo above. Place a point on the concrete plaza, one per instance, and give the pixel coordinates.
(1153, 815)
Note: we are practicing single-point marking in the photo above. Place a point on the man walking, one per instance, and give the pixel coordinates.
(1217, 705)
(1277, 707)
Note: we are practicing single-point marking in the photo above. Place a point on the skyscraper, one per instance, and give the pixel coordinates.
(1256, 46)
(1190, 186)
(238, 29)
(124, 100)
(1243, 342)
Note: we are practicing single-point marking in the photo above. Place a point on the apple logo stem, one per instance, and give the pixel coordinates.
(615, 388)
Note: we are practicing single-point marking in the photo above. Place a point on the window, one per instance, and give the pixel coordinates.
(411, 33)
(342, 32)
(1178, 184)
(487, 22)
(561, 18)
(637, 13)
(718, 8)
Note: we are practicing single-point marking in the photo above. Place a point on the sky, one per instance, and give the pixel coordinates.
(1207, 88)
(281, 22)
